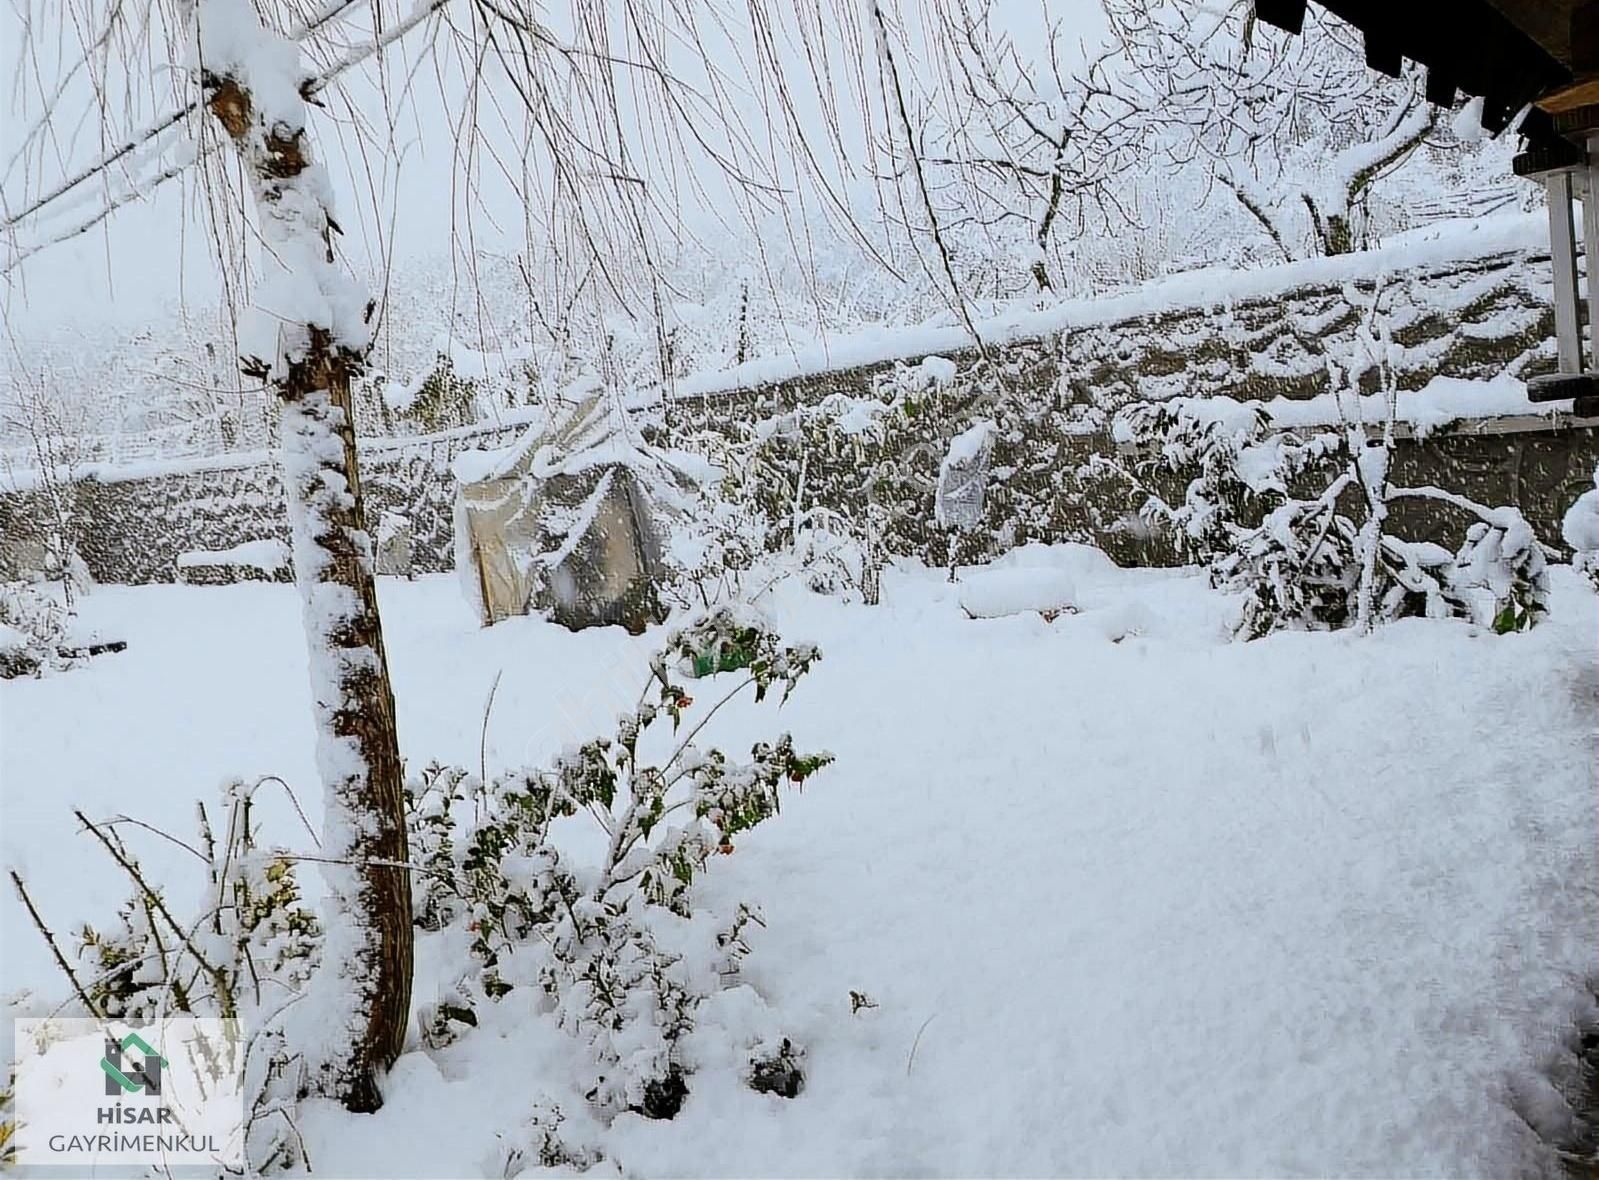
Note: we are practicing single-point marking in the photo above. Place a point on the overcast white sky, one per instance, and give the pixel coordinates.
(155, 251)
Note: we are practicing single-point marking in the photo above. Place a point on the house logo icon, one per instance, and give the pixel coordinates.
(123, 1078)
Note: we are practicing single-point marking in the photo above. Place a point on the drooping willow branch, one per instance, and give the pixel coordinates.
(154, 131)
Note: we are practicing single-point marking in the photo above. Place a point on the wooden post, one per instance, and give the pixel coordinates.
(1563, 254)
(1590, 237)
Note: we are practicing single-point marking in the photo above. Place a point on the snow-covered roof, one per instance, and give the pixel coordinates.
(1508, 52)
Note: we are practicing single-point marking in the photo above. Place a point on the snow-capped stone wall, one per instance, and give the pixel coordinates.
(1484, 320)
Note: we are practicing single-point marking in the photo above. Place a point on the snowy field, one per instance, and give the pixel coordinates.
(1130, 899)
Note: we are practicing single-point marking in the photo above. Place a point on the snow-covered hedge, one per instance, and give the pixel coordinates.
(1296, 521)
(33, 631)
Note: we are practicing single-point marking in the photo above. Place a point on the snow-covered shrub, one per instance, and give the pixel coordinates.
(1300, 568)
(829, 467)
(33, 631)
(1231, 455)
(1501, 572)
(761, 521)
(716, 542)
(1580, 529)
(725, 549)
(1318, 562)
(441, 398)
(622, 951)
(243, 954)
(252, 941)
(832, 560)
(541, 1142)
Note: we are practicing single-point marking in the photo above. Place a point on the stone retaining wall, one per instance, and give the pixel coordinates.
(1472, 319)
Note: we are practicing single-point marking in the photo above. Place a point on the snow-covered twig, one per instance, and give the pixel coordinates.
(55, 949)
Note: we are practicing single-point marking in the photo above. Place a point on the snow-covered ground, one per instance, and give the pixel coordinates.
(1130, 899)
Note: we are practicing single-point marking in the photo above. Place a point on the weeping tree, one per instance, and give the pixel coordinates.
(218, 96)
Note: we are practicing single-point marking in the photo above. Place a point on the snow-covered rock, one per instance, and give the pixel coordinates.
(936, 371)
(264, 559)
(995, 593)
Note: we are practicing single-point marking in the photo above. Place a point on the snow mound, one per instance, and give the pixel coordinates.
(995, 593)
(400, 396)
(1117, 621)
(1580, 528)
(1083, 562)
(11, 639)
(936, 371)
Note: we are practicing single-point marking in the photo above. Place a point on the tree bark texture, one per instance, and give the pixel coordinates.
(367, 961)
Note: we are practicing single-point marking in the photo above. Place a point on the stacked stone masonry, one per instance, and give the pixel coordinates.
(1470, 320)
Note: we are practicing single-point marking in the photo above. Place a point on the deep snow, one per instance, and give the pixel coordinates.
(1130, 899)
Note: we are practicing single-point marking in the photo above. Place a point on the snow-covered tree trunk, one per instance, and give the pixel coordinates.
(1355, 169)
(1371, 466)
(317, 318)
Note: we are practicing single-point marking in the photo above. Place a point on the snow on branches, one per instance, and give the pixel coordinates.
(1294, 521)
(255, 86)
(1297, 128)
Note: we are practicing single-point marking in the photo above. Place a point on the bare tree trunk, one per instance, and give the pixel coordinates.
(1057, 189)
(1339, 234)
(1407, 127)
(364, 983)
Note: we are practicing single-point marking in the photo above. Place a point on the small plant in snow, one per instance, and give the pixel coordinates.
(715, 544)
(753, 528)
(620, 950)
(1502, 572)
(540, 1143)
(8, 1118)
(254, 942)
(243, 955)
(33, 632)
(1299, 568)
